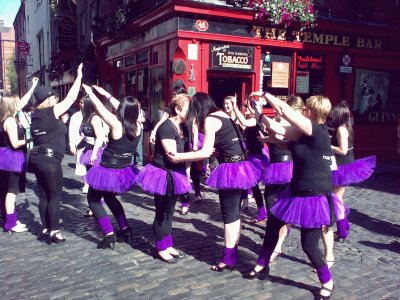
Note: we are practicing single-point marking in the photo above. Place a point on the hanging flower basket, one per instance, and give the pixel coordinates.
(293, 14)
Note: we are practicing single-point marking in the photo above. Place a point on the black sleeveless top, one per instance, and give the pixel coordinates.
(5, 140)
(119, 153)
(167, 131)
(253, 145)
(311, 161)
(48, 131)
(227, 138)
(87, 128)
(343, 159)
(277, 154)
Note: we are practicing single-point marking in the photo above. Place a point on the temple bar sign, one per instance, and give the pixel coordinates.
(231, 58)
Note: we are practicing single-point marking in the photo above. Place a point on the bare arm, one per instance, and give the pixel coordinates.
(342, 136)
(10, 126)
(110, 119)
(154, 131)
(195, 132)
(99, 133)
(24, 100)
(211, 126)
(304, 124)
(114, 102)
(63, 106)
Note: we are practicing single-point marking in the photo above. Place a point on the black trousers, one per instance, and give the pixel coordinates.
(94, 197)
(50, 181)
(165, 208)
(230, 205)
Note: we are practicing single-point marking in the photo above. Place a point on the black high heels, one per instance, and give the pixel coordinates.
(56, 238)
(327, 297)
(108, 241)
(218, 268)
(261, 275)
(172, 260)
(124, 235)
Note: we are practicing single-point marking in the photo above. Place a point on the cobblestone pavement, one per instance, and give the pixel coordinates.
(367, 264)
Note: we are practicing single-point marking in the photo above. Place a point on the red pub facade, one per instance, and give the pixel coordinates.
(216, 49)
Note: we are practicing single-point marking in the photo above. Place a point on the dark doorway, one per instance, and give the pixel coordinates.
(219, 87)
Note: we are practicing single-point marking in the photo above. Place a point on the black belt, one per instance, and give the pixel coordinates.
(48, 152)
(281, 158)
(116, 161)
(232, 158)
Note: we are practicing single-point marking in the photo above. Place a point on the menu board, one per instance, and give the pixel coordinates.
(302, 82)
(280, 75)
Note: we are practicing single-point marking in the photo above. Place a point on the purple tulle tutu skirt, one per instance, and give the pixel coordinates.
(12, 160)
(279, 173)
(112, 180)
(307, 212)
(85, 157)
(357, 171)
(241, 175)
(260, 162)
(153, 180)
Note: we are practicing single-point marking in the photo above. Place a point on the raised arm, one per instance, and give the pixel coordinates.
(24, 100)
(63, 106)
(114, 102)
(302, 123)
(100, 136)
(110, 119)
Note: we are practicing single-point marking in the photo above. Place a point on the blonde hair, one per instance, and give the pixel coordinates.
(45, 104)
(320, 107)
(295, 102)
(228, 98)
(178, 101)
(8, 107)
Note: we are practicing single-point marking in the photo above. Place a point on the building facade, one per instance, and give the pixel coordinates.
(22, 49)
(215, 47)
(7, 49)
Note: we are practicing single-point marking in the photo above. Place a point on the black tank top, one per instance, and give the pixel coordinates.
(119, 153)
(5, 140)
(168, 131)
(253, 145)
(48, 131)
(343, 159)
(227, 138)
(311, 161)
(277, 154)
(87, 128)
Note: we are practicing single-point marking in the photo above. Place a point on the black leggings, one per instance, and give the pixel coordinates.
(94, 199)
(230, 205)
(271, 191)
(165, 208)
(50, 180)
(195, 176)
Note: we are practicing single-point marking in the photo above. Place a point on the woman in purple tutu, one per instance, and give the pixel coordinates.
(254, 154)
(349, 171)
(12, 158)
(233, 175)
(166, 180)
(49, 139)
(309, 203)
(116, 172)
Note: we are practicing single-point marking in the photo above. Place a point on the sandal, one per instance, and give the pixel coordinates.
(258, 221)
(321, 297)
(275, 257)
(261, 275)
(218, 268)
(184, 210)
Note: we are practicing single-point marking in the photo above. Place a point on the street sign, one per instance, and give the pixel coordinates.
(346, 64)
(23, 48)
(344, 69)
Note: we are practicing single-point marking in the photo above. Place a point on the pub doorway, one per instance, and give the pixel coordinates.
(221, 85)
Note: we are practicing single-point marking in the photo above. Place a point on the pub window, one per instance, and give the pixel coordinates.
(276, 74)
(142, 57)
(309, 74)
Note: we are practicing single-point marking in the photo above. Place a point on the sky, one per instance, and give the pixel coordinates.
(8, 11)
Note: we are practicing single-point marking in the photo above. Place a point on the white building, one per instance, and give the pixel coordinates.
(37, 14)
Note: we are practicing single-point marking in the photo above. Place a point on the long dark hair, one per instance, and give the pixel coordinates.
(128, 114)
(88, 109)
(340, 116)
(200, 107)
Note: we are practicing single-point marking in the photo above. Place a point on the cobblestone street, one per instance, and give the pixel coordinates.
(367, 264)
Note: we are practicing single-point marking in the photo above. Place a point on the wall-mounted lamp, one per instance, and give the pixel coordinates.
(267, 57)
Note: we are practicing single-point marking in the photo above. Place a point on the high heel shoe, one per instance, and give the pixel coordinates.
(108, 241)
(218, 268)
(321, 297)
(172, 260)
(56, 238)
(261, 275)
(124, 235)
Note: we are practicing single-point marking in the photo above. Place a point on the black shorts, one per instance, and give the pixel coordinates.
(13, 182)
